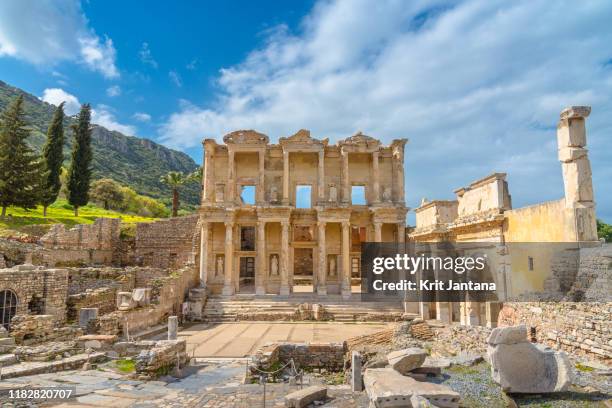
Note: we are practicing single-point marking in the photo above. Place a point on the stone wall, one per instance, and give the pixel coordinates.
(162, 358)
(36, 283)
(578, 328)
(28, 329)
(167, 243)
(329, 356)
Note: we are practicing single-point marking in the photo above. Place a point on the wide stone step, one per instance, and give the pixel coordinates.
(33, 368)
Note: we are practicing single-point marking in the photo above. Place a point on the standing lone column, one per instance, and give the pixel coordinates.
(322, 287)
(346, 264)
(172, 327)
(203, 254)
(261, 189)
(231, 188)
(346, 195)
(284, 288)
(321, 175)
(228, 281)
(285, 177)
(260, 275)
(376, 177)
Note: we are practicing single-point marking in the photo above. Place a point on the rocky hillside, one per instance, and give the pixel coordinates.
(130, 160)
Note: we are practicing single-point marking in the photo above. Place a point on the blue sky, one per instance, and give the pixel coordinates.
(476, 86)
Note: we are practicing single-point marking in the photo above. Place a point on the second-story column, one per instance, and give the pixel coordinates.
(203, 254)
(398, 169)
(261, 276)
(261, 189)
(376, 177)
(231, 176)
(207, 183)
(346, 261)
(285, 177)
(228, 278)
(284, 287)
(321, 175)
(346, 191)
(322, 286)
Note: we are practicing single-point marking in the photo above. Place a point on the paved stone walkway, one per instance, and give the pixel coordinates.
(243, 338)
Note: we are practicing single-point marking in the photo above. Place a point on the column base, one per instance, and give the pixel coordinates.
(346, 294)
(322, 291)
(260, 290)
(228, 290)
(443, 312)
(284, 290)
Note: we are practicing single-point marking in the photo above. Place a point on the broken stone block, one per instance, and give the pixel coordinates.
(403, 361)
(86, 314)
(467, 359)
(522, 367)
(306, 396)
(125, 301)
(172, 327)
(356, 377)
(420, 402)
(141, 296)
(388, 388)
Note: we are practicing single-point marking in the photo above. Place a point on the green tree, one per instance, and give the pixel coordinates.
(79, 174)
(174, 180)
(604, 230)
(53, 156)
(20, 169)
(108, 192)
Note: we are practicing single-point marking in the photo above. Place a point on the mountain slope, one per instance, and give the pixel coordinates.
(132, 161)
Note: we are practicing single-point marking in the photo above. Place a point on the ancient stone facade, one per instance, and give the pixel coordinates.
(277, 216)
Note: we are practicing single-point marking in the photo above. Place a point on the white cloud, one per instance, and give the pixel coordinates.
(45, 33)
(103, 115)
(192, 65)
(56, 96)
(175, 78)
(477, 87)
(146, 56)
(142, 117)
(113, 91)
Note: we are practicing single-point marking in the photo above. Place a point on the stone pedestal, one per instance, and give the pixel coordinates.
(86, 314)
(172, 327)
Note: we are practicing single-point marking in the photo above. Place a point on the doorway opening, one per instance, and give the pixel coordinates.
(247, 274)
(303, 275)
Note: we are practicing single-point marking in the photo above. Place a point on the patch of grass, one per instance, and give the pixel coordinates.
(126, 365)
(60, 212)
(460, 369)
(584, 368)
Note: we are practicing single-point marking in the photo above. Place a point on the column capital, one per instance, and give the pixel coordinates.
(321, 224)
(346, 224)
(229, 224)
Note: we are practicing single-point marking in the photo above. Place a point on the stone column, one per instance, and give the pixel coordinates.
(346, 264)
(398, 170)
(261, 189)
(321, 175)
(346, 193)
(444, 309)
(172, 327)
(285, 177)
(207, 185)
(284, 287)
(322, 286)
(231, 177)
(260, 274)
(377, 231)
(375, 177)
(228, 278)
(203, 253)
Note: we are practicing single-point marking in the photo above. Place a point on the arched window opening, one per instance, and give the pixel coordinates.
(8, 307)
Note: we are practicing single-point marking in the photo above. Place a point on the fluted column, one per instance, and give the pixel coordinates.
(376, 177)
(285, 177)
(322, 286)
(228, 278)
(346, 264)
(231, 176)
(203, 254)
(284, 288)
(346, 194)
(378, 232)
(261, 189)
(261, 276)
(321, 175)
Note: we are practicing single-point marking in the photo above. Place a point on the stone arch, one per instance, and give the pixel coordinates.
(8, 307)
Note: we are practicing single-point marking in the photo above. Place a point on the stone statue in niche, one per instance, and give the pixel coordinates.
(219, 193)
(333, 194)
(332, 266)
(387, 194)
(219, 270)
(274, 194)
(274, 265)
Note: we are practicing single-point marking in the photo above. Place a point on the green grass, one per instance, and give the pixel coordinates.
(126, 366)
(60, 212)
(582, 367)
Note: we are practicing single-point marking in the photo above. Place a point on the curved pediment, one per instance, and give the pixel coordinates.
(246, 137)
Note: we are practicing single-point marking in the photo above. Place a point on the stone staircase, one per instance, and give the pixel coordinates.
(275, 308)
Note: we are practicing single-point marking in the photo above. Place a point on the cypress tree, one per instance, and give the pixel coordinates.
(53, 156)
(19, 166)
(79, 174)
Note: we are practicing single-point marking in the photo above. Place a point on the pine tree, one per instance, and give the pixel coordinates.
(53, 156)
(79, 174)
(19, 167)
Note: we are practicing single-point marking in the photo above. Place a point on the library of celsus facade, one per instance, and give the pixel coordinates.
(290, 217)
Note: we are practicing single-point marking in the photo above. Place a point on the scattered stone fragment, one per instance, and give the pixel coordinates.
(467, 359)
(418, 401)
(406, 360)
(523, 367)
(306, 396)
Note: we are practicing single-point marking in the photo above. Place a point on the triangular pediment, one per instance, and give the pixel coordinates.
(301, 137)
(246, 137)
(359, 139)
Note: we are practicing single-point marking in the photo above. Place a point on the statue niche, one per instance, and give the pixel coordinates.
(219, 269)
(274, 265)
(333, 194)
(332, 265)
(219, 193)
